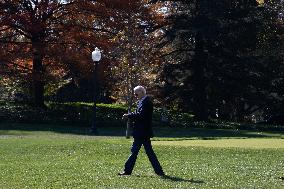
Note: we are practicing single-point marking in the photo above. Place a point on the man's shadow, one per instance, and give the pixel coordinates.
(178, 179)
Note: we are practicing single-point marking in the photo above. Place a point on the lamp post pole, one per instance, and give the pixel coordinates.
(96, 57)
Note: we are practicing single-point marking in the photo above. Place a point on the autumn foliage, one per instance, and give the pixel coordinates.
(43, 41)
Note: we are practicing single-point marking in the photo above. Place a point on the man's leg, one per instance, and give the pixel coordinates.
(152, 157)
(129, 165)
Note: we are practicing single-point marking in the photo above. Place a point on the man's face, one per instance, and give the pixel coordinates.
(138, 94)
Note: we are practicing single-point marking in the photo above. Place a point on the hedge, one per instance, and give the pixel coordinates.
(80, 113)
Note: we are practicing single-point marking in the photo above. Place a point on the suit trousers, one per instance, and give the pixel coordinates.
(137, 143)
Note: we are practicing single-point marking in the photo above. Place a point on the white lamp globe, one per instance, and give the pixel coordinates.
(96, 55)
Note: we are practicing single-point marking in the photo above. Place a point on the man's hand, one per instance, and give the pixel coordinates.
(125, 116)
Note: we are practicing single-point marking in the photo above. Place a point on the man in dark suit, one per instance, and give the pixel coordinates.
(142, 132)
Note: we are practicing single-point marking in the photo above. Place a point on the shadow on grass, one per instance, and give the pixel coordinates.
(209, 134)
(43, 127)
(160, 132)
(174, 179)
(178, 179)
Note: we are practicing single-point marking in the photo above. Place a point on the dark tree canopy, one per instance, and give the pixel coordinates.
(224, 58)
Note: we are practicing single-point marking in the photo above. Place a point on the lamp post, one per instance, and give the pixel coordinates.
(96, 57)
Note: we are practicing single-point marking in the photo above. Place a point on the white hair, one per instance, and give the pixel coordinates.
(140, 88)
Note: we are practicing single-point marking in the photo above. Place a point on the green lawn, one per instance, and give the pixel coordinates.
(252, 143)
(44, 156)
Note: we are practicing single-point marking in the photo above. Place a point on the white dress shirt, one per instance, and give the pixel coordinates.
(140, 102)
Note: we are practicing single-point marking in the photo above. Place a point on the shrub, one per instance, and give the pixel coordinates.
(62, 113)
(80, 113)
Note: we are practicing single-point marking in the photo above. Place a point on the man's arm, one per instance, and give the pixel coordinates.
(140, 113)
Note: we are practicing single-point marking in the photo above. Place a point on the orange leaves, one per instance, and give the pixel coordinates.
(69, 32)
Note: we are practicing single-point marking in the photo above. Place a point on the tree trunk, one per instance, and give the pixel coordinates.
(199, 63)
(37, 74)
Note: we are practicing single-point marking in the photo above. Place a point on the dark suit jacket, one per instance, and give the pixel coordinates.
(142, 118)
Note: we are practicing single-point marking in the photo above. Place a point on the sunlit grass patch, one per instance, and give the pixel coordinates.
(227, 143)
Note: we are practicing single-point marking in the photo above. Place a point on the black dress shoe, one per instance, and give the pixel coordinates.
(161, 174)
(123, 173)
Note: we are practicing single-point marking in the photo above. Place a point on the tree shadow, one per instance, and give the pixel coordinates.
(209, 134)
(6, 127)
(176, 133)
(68, 129)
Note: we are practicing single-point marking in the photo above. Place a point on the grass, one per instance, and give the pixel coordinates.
(228, 143)
(49, 156)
